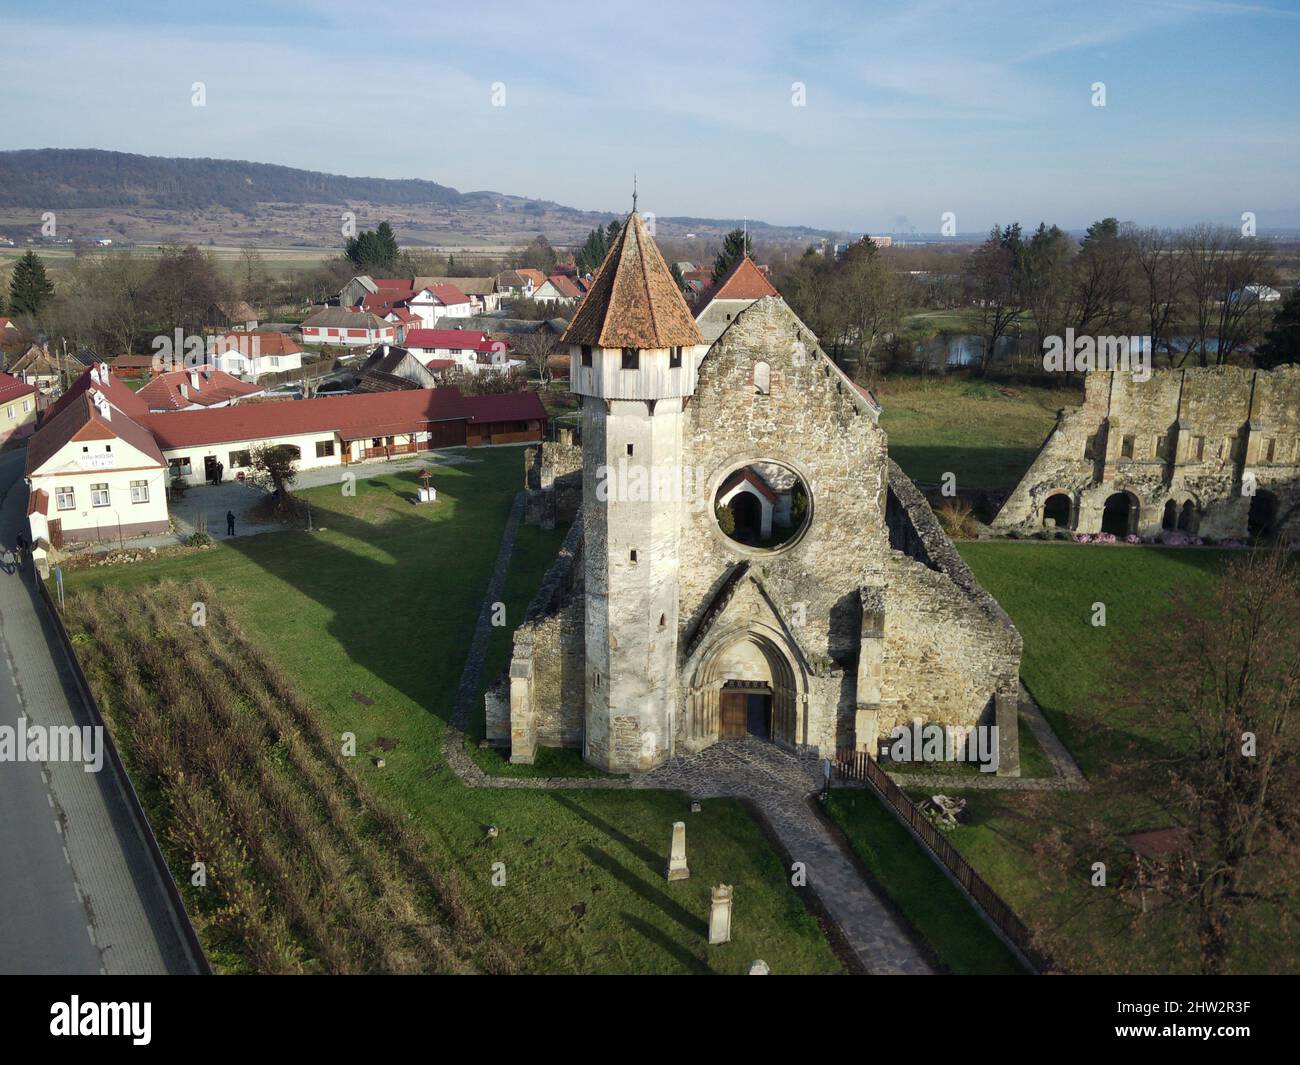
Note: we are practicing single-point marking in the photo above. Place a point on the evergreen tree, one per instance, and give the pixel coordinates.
(374, 251)
(735, 246)
(29, 288)
(1282, 342)
(451, 264)
(611, 232)
(681, 281)
(593, 251)
(386, 242)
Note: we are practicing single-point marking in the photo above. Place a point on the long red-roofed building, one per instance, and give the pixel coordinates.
(104, 461)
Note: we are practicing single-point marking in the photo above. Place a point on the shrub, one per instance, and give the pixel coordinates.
(958, 519)
(199, 539)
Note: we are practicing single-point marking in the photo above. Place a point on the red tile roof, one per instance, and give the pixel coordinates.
(504, 407)
(744, 281)
(11, 388)
(269, 342)
(118, 394)
(429, 339)
(213, 386)
(353, 417)
(449, 295)
(535, 276)
(79, 419)
(565, 286)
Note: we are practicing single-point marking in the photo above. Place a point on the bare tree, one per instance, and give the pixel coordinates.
(536, 348)
(1207, 702)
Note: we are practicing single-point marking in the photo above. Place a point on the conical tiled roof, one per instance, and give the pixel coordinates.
(634, 301)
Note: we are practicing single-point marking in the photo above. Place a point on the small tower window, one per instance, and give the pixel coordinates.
(631, 449)
(631, 358)
(633, 556)
(586, 354)
(663, 620)
(674, 358)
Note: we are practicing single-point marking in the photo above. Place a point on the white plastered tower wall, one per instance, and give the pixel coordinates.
(634, 351)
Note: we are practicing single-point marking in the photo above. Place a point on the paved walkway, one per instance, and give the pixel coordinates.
(777, 782)
(79, 893)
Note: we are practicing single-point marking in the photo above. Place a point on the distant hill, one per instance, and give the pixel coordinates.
(148, 198)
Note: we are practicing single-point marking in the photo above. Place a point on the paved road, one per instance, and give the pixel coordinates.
(78, 891)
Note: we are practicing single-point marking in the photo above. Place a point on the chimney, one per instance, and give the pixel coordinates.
(185, 390)
(194, 380)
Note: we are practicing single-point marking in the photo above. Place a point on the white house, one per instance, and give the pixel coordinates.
(353, 329)
(469, 349)
(440, 301)
(249, 355)
(94, 473)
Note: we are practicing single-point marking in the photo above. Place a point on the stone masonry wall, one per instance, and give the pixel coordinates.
(1189, 435)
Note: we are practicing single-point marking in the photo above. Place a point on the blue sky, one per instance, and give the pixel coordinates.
(913, 107)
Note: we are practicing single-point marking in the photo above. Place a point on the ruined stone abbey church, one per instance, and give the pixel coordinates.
(745, 559)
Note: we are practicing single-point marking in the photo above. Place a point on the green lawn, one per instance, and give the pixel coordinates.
(1049, 590)
(1033, 762)
(373, 614)
(934, 906)
(985, 434)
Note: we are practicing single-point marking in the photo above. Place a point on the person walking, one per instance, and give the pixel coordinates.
(20, 549)
(230, 523)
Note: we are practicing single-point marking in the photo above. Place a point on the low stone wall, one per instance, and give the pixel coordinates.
(553, 480)
(540, 701)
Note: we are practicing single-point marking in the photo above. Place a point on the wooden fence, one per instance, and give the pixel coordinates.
(860, 766)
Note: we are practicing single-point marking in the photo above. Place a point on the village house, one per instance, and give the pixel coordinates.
(353, 329)
(94, 473)
(101, 462)
(559, 289)
(440, 301)
(482, 291)
(249, 355)
(17, 408)
(390, 368)
(471, 350)
(48, 371)
(197, 389)
(513, 284)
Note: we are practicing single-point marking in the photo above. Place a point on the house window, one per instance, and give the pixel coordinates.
(631, 358)
(179, 467)
(586, 354)
(27, 405)
(240, 458)
(275, 361)
(10, 410)
(324, 449)
(99, 495)
(674, 358)
(65, 498)
(139, 491)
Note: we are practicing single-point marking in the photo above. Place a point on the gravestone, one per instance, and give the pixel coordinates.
(720, 915)
(677, 869)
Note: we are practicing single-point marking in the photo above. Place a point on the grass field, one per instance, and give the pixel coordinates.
(371, 615)
(1049, 590)
(932, 904)
(984, 433)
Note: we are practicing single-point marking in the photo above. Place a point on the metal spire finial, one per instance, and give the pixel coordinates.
(634, 194)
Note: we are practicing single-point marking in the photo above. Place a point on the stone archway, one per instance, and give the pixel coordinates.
(1057, 507)
(758, 658)
(1120, 514)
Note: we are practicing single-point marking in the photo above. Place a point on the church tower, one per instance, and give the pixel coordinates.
(634, 351)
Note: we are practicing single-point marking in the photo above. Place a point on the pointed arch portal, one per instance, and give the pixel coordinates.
(737, 670)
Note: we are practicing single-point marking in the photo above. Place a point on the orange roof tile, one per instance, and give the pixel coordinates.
(633, 301)
(744, 281)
